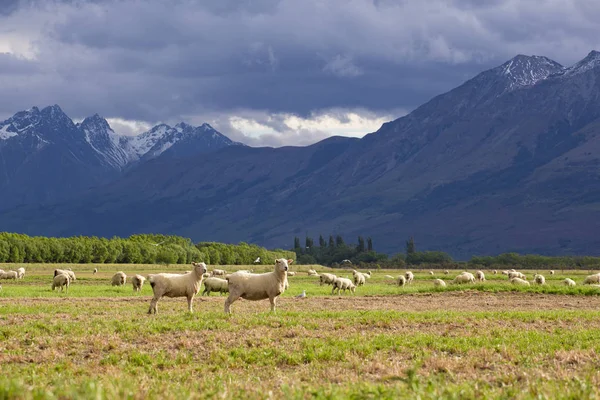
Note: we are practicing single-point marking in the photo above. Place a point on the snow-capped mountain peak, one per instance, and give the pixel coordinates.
(592, 60)
(522, 71)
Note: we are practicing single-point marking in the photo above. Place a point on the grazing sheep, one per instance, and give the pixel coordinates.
(569, 282)
(343, 284)
(465, 277)
(218, 272)
(480, 276)
(505, 272)
(137, 281)
(446, 272)
(431, 273)
(61, 281)
(291, 273)
(68, 272)
(515, 274)
(551, 272)
(206, 275)
(21, 273)
(215, 285)
(258, 286)
(10, 275)
(119, 279)
(359, 279)
(312, 272)
(539, 279)
(519, 281)
(95, 271)
(173, 285)
(495, 272)
(592, 279)
(439, 283)
(401, 280)
(409, 277)
(367, 275)
(327, 279)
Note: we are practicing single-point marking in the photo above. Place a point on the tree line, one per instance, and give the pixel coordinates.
(136, 249)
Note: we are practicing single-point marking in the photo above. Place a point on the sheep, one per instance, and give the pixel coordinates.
(10, 275)
(592, 279)
(465, 277)
(312, 272)
(446, 272)
(21, 273)
(539, 279)
(137, 282)
(409, 277)
(431, 273)
(61, 281)
(95, 271)
(68, 272)
(505, 272)
(480, 276)
(359, 279)
(519, 281)
(173, 285)
(258, 286)
(215, 285)
(343, 284)
(439, 283)
(327, 279)
(249, 271)
(495, 272)
(218, 272)
(515, 274)
(206, 275)
(119, 279)
(401, 280)
(291, 273)
(551, 272)
(367, 275)
(569, 282)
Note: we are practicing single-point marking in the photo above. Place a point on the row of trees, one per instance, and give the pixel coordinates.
(136, 249)
(335, 251)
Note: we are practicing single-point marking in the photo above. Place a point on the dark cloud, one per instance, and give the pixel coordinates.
(160, 60)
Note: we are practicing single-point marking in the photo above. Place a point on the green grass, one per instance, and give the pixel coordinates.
(488, 340)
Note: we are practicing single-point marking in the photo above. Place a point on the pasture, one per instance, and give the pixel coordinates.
(486, 340)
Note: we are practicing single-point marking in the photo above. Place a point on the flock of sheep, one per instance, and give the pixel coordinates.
(250, 286)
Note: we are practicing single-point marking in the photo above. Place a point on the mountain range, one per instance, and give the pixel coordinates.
(507, 161)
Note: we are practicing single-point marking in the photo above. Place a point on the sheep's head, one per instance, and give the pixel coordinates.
(281, 264)
(200, 267)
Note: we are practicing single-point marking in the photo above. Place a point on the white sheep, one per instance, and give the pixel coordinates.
(258, 286)
(312, 272)
(495, 272)
(327, 279)
(515, 274)
(343, 284)
(590, 279)
(68, 272)
(218, 272)
(137, 282)
(291, 273)
(401, 280)
(119, 279)
(439, 283)
(409, 277)
(431, 273)
(539, 279)
(61, 281)
(10, 275)
(505, 272)
(569, 282)
(465, 277)
(206, 275)
(446, 272)
(367, 274)
(519, 281)
(215, 285)
(551, 272)
(21, 273)
(359, 279)
(173, 285)
(480, 276)
(95, 271)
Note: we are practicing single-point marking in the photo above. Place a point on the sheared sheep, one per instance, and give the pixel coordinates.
(258, 286)
(327, 279)
(401, 280)
(10, 275)
(465, 277)
(439, 283)
(515, 274)
(480, 276)
(215, 285)
(137, 282)
(359, 279)
(119, 279)
(173, 285)
(21, 273)
(68, 272)
(61, 281)
(590, 279)
(409, 277)
(312, 272)
(539, 279)
(569, 282)
(218, 272)
(367, 274)
(343, 284)
(519, 281)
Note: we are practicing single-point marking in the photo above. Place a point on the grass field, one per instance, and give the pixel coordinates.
(488, 340)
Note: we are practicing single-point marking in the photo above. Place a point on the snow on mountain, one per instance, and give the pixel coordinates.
(592, 60)
(104, 141)
(19, 123)
(523, 70)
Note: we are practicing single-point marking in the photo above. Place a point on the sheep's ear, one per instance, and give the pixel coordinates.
(290, 261)
(276, 261)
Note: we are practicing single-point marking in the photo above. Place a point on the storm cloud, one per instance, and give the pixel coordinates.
(269, 72)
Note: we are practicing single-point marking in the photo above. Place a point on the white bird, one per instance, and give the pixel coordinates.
(156, 244)
(346, 261)
(302, 295)
(257, 260)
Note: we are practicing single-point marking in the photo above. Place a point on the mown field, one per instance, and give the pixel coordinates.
(489, 340)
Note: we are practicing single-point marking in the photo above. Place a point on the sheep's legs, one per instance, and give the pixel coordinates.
(190, 300)
(272, 300)
(232, 297)
(153, 306)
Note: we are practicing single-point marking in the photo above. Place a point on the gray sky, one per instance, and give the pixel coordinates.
(269, 72)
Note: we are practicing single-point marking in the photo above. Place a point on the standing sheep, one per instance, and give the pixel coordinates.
(446, 272)
(137, 282)
(401, 280)
(539, 279)
(258, 286)
(95, 271)
(343, 284)
(10, 275)
(439, 283)
(312, 272)
(515, 274)
(519, 281)
(215, 285)
(465, 277)
(219, 272)
(551, 272)
(494, 272)
(119, 279)
(327, 279)
(431, 273)
(61, 281)
(291, 273)
(68, 272)
(569, 282)
(173, 285)
(592, 279)
(480, 276)
(409, 277)
(359, 279)
(21, 273)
